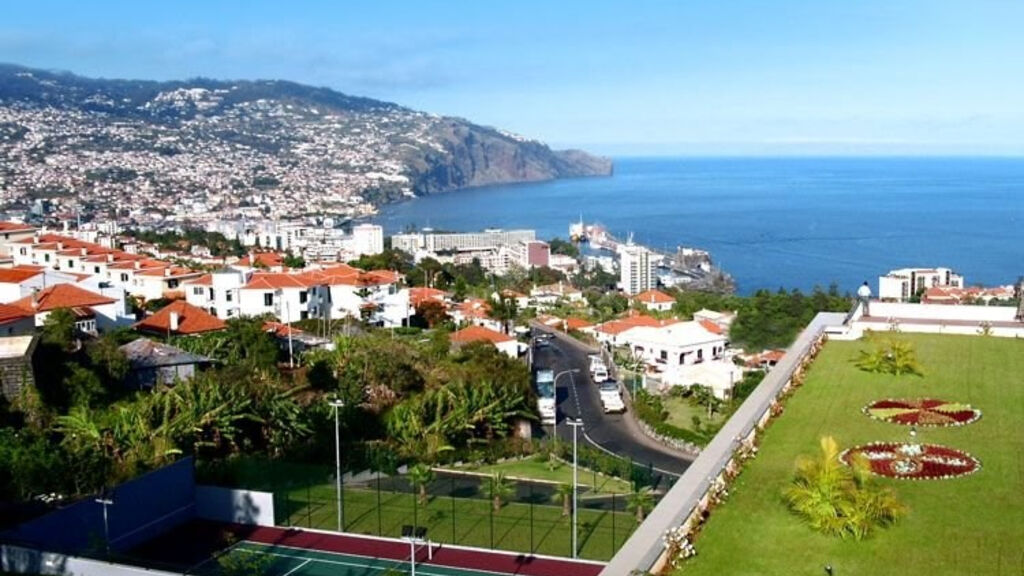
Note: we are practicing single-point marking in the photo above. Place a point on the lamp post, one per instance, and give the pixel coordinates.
(555, 385)
(575, 426)
(336, 404)
(106, 499)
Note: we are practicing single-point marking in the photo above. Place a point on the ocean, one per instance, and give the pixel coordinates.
(774, 222)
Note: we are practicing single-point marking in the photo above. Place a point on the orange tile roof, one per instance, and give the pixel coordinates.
(576, 323)
(175, 272)
(479, 334)
(204, 280)
(654, 297)
(15, 227)
(280, 330)
(421, 294)
(474, 308)
(711, 327)
(191, 320)
(276, 280)
(16, 276)
(621, 325)
(61, 296)
(10, 313)
(268, 259)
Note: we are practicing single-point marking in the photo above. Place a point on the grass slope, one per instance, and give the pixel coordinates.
(589, 480)
(970, 525)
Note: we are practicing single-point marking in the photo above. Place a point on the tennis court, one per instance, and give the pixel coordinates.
(290, 552)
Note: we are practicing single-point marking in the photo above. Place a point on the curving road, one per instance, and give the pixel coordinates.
(578, 397)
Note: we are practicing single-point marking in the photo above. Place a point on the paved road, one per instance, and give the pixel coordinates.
(578, 397)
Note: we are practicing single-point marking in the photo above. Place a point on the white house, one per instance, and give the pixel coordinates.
(655, 300)
(903, 284)
(218, 292)
(289, 297)
(95, 312)
(677, 344)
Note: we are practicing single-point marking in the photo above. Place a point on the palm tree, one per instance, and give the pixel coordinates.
(499, 489)
(420, 476)
(563, 493)
(640, 501)
(895, 357)
(840, 500)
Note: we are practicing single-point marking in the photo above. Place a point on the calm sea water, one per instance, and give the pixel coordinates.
(790, 222)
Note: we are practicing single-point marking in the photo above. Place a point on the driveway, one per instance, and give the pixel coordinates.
(578, 397)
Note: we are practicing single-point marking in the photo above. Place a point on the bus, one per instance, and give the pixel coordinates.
(544, 384)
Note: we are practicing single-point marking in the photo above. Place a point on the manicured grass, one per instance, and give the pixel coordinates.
(531, 468)
(969, 525)
(681, 413)
(539, 528)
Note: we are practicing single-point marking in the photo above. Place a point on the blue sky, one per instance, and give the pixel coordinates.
(629, 77)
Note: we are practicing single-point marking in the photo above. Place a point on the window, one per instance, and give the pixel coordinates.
(303, 297)
(95, 269)
(304, 315)
(268, 299)
(46, 257)
(213, 311)
(124, 277)
(71, 264)
(227, 295)
(24, 252)
(173, 283)
(197, 291)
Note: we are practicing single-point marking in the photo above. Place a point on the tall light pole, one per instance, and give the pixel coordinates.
(575, 483)
(336, 404)
(555, 385)
(106, 499)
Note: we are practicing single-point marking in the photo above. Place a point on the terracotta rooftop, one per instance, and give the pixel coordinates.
(10, 313)
(191, 320)
(711, 327)
(15, 227)
(479, 334)
(421, 294)
(61, 296)
(654, 297)
(17, 276)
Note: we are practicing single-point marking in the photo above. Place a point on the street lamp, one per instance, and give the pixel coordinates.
(555, 385)
(575, 483)
(336, 404)
(106, 499)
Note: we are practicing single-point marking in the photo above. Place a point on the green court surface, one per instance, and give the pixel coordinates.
(274, 560)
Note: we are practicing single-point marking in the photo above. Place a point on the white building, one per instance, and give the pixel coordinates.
(219, 292)
(367, 240)
(636, 269)
(903, 284)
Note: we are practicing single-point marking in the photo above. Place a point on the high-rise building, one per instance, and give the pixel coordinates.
(636, 268)
(367, 239)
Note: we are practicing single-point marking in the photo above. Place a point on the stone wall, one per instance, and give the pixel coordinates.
(16, 373)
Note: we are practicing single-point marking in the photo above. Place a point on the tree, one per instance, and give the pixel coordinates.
(499, 489)
(59, 329)
(420, 476)
(563, 493)
(640, 501)
(432, 312)
(840, 500)
(292, 261)
(503, 309)
(560, 246)
(890, 356)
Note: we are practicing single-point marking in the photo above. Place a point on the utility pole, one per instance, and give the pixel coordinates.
(575, 483)
(336, 404)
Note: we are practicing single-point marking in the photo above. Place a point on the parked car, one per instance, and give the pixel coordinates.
(600, 374)
(611, 397)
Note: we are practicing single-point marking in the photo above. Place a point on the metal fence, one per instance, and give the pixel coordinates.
(457, 507)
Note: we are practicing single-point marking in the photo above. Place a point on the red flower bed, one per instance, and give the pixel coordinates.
(913, 461)
(922, 412)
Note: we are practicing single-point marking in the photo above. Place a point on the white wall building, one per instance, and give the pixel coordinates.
(636, 269)
(903, 284)
(219, 292)
(367, 240)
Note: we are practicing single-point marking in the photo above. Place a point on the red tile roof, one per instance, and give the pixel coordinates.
(711, 327)
(421, 294)
(191, 320)
(654, 297)
(10, 313)
(263, 259)
(204, 280)
(61, 296)
(621, 325)
(277, 280)
(15, 227)
(479, 334)
(280, 330)
(17, 276)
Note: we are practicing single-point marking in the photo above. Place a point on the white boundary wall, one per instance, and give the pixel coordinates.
(235, 506)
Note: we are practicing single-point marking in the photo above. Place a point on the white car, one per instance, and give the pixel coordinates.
(595, 361)
(600, 374)
(611, 397)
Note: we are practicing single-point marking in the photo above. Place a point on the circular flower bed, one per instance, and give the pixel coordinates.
(913, 461)
(922, 412)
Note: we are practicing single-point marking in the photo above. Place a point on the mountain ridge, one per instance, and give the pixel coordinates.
(243, 136)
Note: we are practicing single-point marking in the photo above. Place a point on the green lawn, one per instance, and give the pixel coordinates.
(518, 526)
(530, 468)
(681, 413)
(969, 525)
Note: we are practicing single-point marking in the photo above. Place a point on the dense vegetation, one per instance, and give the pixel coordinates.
(218, 244)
